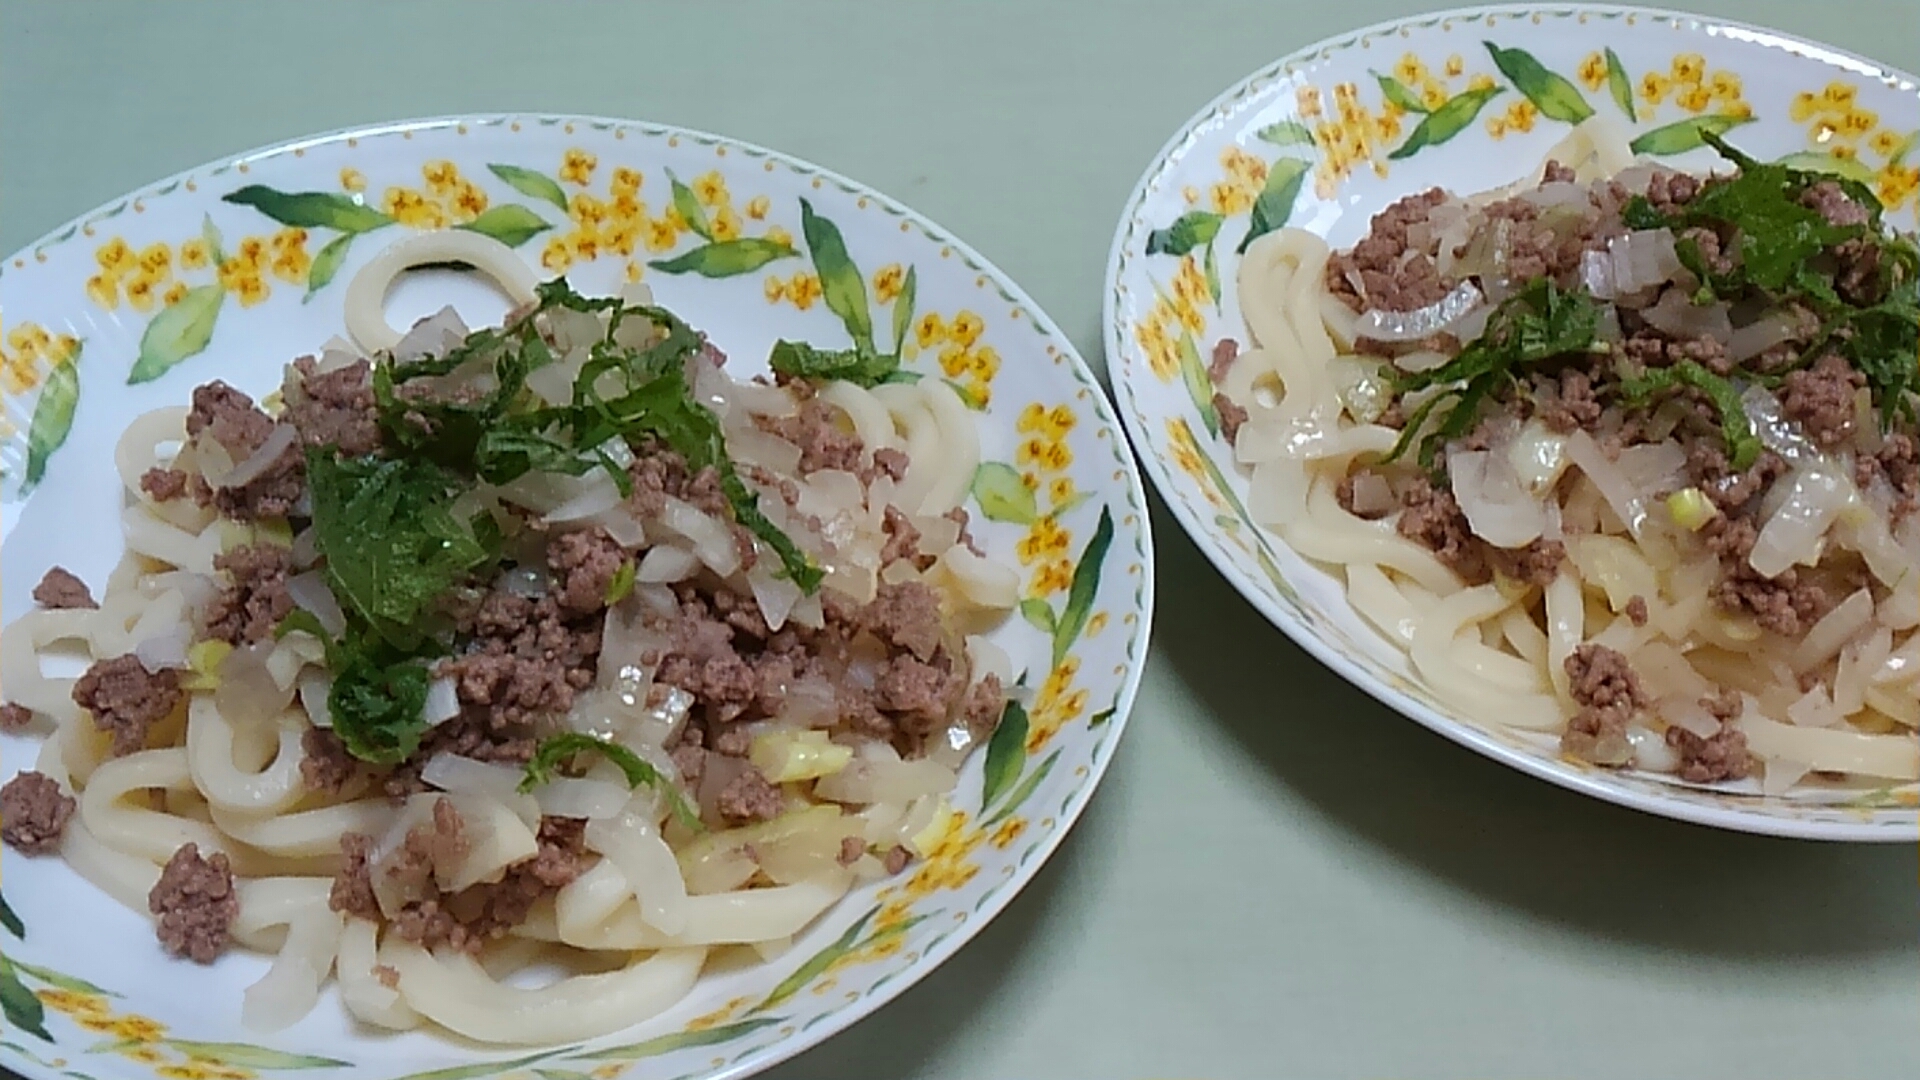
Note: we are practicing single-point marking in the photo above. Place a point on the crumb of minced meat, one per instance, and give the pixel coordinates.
(584, 565)
(1232, 417)
(126, 699)
(1608, 692)
(60, 590)
(1637, 610)
(851, 849)
(1721, 756)
(325, 763)
(898, 859)
(14, 718)
(33, 813)
(254, 599)
(335, 408)
(1821, 399)
(196, 904)
(1225, 352)
(165, 485)
(748, 797)
(389, 976)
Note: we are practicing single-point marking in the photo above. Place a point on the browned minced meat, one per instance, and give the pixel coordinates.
(691, 762)
(958, 515)
(471, 918)
(1430, 516)
(903, 539)
(851, 849)
(1899, 462)
(1859, 280)
(893, 463)
(15, 718)
(335, 408)
(325, 764)
(1731, 491)
(1669, 190)
(254, 599)
(1392, 282)
(823, 443)
(196, 904)
(526, 659)
(1608, 693)
(1225, 352)
(1721, 756)
(906, 615)
(231, 419)
(1556, 173)
(1785, 604)
(60, 590)
(748, 797)
(1573, 406)
(985, 703)
(921, 694)
(165, 485)
(898, 859)
(33, 813)
(1231, 416)
(585, 564)
(1834, 204)
(1821, 399)
(1536, 564)
(1637, 611)
(127, 699)
(658, 473)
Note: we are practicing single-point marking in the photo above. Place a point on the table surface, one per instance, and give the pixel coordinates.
(1279, 877)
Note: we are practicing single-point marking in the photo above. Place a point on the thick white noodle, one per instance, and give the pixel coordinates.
(365, 995)
(139, 447)
(366, 301)
(219, 777)
(731, 918)
(455, 992)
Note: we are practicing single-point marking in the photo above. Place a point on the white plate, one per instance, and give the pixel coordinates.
(129, 292)
(1314, 139)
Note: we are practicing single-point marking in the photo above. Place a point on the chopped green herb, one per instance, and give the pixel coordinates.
(622, 584)
(1742, 444)
(378, 702)
(848, 365)
(558, 749)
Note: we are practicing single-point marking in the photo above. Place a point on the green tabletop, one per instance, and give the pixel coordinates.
(1280, 878)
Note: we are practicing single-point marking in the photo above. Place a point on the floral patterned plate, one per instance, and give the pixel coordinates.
(233, 269)
(1468, 100)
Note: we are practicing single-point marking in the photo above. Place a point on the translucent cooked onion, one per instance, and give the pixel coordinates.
(1676, 315)
(666, 564)
(435, 335)
(1538, 457)
(1749, 341)
(316, 687)
(279, 441)
(1773, 429)
(248, 692)
(443, 702)
(310, 594)
(712, 543)
(877, 775)
(1629, 484)
(775, 595)
(459, 775)
(1632, 263)
(601, 494)
(1794, 533)
(1438, 317)
(809, 702)
(578, 797)
(164, 652)
(1499, 510)
(1839, 626)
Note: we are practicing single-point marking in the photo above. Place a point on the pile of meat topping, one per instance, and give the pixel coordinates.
(647, 614)
(1718, 367)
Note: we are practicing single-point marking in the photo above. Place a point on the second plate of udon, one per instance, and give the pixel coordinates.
(517, 594)
(1550, 374)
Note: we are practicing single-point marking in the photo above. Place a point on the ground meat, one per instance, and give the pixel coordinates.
(986, 703)
(1225, 352)
(33, 813)
(921, 695)
(230, 418)
(1668, 190)
(903, 539)
(1637, 611)
(165, 485)
(1820, 400)
(691, 763)
(748, 798)
(958, 515)
(525, 659)
(325, 764)
(1536, 564)
(251, 604)
(1833, 203)
(1708, 352)
(15, 718)
(1859, 279)
(585, 564)
(1731, 491)
(659, 473)
(851, 849)
(352, 891)
(1608, 693)
(335, 408)
(1231, 416)
(1712, 250)
(1430, 516)
(562, 857)
(893, 463)
(389, 977)
(898, 859)
(1557, 173)
(1785, 604)
(127, 699)
(906, 615)
(196, 904)
(1573, 406)
(1377, 263)
(60, 590)
(1721, 756)
(824, 443)
(1899, 462)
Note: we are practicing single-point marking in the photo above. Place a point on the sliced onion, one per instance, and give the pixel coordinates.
(1692, 716)
(1632, 263)
(1438, 317)
(1372, 494)
(310, 594)
(1833, 631)
(878, 775)
(1538, 457)
(578, 797)
(666, 564)
(622, 526)
(1794, 533)
(164, 652)
(459, 775)
(601, 494)
(435, 335)
(283, 438)
(316, 690)
(443, 701)
(1676, 315)
(1489, 493)
(1774, 430)
(1749, 341)
(775, 595)
(1631, 483)
(248, 693)
(711, 540)
(809, 702)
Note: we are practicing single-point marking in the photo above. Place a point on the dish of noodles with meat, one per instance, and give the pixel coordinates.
(1619, 454)
(552, 642)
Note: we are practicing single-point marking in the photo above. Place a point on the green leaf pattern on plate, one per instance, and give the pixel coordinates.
(531, 183)
(726, 258)
(1006, 753)
(327, 263)
(1552, 94)
(1002, 495)
(178, 333)
(840, 281)
(511, 225)
(311, 209)
(687, 205)
(681, 1040)
(1620, 85)
(52, 416)
(22, 1009)
(1441, 125)
(249, 1056)
(1682, 136)
(1190, 230)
